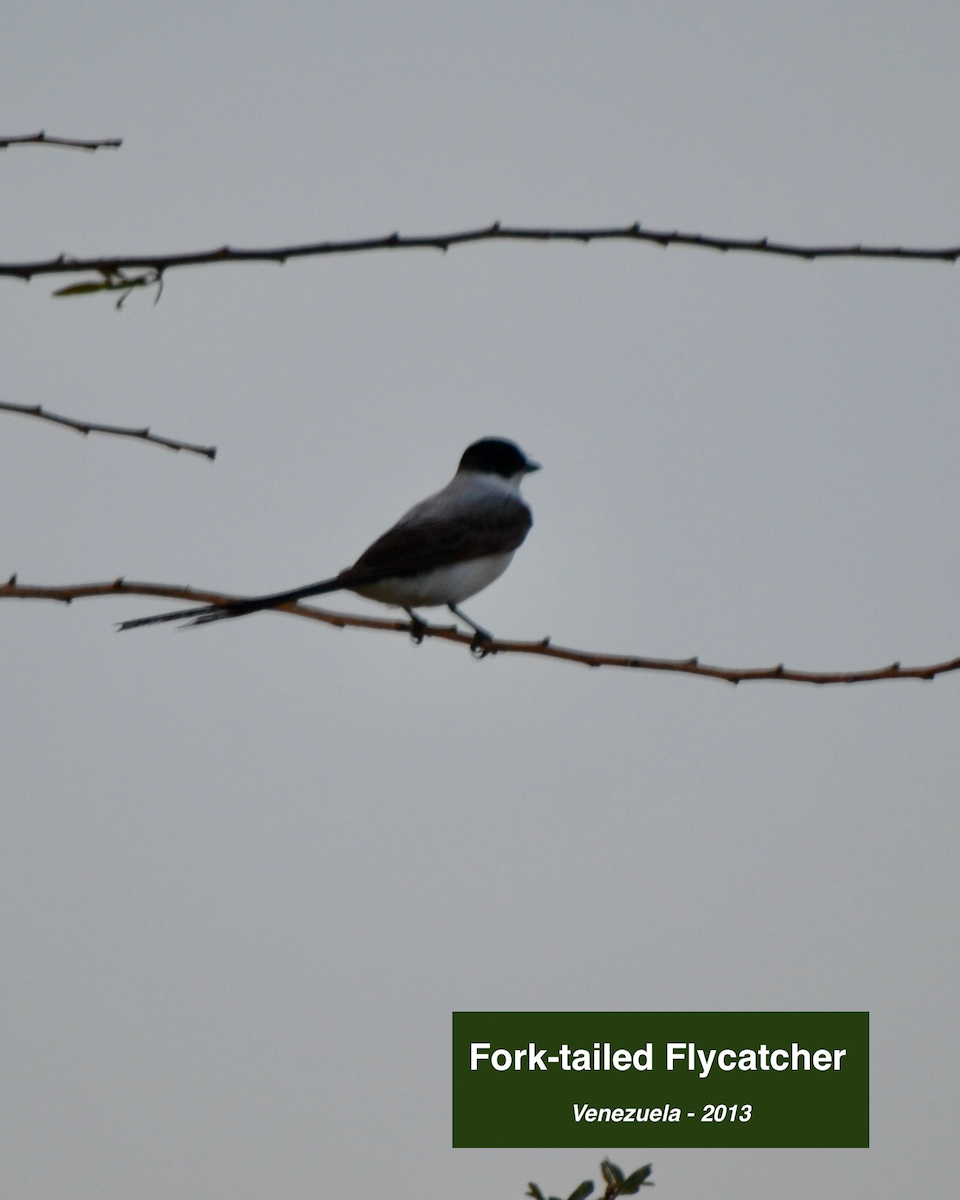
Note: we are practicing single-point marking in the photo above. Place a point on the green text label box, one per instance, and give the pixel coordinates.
(655, 1079)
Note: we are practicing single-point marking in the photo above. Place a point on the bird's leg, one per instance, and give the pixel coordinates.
(417, 625)
(481, 634)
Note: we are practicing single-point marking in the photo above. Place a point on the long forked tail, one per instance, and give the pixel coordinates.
(206, 613)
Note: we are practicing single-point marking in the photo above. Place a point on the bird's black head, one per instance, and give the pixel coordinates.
(496, 456)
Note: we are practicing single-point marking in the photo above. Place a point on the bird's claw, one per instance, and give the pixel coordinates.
(418, 630)
(480, 645)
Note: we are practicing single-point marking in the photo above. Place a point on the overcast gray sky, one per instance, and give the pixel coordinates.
(248, 871)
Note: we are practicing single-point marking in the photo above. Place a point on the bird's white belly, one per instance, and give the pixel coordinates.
(443, 585)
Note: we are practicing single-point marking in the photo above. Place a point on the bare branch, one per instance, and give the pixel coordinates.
(144, 435)
(450, 633)
(27, 139)
(156, 264)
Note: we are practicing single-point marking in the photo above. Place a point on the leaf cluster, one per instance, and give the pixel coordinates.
(617, 1183)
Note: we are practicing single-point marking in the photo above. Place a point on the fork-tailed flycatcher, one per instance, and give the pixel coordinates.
(444, 550)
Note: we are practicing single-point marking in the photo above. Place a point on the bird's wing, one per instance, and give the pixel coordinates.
(411, 547)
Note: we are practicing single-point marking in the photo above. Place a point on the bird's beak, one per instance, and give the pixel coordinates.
(531, 467)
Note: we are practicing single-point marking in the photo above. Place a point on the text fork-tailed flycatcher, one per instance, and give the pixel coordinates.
(443, 551)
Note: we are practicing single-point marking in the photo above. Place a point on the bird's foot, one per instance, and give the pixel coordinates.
(480, 645)
(418, 627)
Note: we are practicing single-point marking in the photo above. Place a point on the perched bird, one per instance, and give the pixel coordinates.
(444, 550)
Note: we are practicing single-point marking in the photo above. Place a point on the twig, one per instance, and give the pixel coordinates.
(27, 139)
(158, 263)
(144, 435)
(449, 633)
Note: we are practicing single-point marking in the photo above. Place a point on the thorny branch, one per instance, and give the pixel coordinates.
(449, 633)
(27, 139)
(144, 435)
(155, 264)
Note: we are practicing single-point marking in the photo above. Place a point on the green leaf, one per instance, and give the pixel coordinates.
(582, 1191)
(534, 1191)
(611, 1173)
(633, 1182)
(83, 289)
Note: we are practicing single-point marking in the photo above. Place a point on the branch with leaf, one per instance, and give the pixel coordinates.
(617, 1183)
(111, 277)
